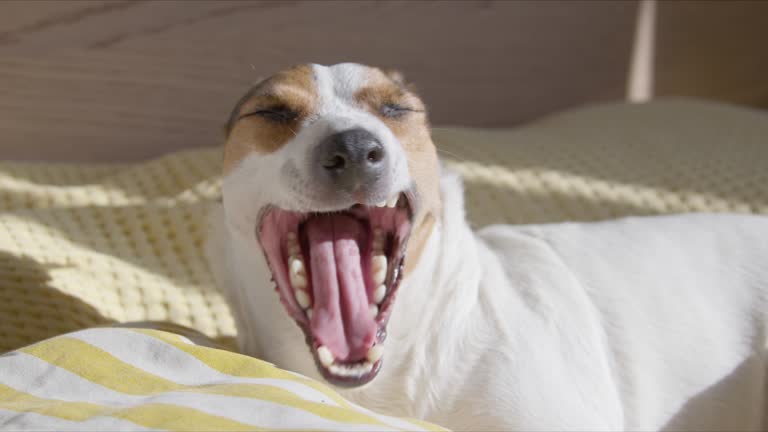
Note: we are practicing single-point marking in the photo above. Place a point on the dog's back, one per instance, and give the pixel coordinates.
(668, 315)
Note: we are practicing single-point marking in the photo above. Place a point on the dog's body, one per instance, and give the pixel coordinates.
(635, 324)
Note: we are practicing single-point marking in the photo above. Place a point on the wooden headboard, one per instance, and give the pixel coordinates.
(125, 80)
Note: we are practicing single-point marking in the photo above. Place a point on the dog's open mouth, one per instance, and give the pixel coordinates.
(337, 274)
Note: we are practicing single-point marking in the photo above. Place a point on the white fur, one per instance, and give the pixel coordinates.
(635, 324)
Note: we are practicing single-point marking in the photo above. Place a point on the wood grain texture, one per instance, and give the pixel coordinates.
(126, 80)
(714, 50)
(97, 80)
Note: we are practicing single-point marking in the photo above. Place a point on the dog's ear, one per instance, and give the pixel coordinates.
(396, 76)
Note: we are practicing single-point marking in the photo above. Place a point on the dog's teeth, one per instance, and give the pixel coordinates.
(299, 281)
(379, 262)
(379, 267)
(292, 236)
(302, 298)
(293, 249)
(381, 204)
(325, 356)
(296, 265)
(354, 370)
(392, 201)
(375, 353)
(378, 295)
(309, 314)
(374, 311)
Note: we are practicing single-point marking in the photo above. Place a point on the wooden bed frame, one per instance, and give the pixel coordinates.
(126, 80)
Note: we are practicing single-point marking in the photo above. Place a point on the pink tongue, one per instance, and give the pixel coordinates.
(341, 317)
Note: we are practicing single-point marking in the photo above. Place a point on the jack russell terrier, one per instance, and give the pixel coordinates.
(343, 249)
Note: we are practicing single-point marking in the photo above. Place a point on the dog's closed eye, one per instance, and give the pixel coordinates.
(277, 114)
(395, 111)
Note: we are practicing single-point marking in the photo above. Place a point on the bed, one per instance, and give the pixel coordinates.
(94, 246)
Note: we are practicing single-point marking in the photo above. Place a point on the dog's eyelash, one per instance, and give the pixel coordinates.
(276, 114)
(392, 110)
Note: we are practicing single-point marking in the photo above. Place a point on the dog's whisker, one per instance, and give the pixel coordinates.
(451, 154)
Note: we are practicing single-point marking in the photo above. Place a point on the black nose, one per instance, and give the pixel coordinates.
(353, 158)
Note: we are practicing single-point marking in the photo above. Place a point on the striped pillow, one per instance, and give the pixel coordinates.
(142, 379)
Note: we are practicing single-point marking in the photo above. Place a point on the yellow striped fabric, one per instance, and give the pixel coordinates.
(145, 379)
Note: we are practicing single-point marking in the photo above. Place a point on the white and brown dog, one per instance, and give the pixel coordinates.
(334, 197)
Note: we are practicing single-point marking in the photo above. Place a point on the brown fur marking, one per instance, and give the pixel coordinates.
(293, 89)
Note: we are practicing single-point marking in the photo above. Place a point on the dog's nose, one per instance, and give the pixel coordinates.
(353, 158)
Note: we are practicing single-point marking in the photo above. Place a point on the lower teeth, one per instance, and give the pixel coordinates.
(325, 357)
(351, 370)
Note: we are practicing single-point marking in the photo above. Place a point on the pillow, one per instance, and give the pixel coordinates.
(138, 379)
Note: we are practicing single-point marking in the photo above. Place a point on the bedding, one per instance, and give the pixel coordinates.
(145, 379)
(88, 245)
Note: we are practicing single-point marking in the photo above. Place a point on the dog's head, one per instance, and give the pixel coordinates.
(333, 172)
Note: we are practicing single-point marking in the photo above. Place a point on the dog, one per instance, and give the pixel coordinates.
(342, 247)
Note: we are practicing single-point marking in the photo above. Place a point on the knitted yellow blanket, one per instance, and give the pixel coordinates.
(85, 245)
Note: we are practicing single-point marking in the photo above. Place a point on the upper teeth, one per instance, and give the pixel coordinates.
(389, 202)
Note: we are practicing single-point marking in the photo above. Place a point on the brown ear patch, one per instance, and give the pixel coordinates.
(396, 76)
(269, 114)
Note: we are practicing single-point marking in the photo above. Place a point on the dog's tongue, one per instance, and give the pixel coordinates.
(341, 318)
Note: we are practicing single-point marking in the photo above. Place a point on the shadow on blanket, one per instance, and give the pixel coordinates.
(25, 291)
